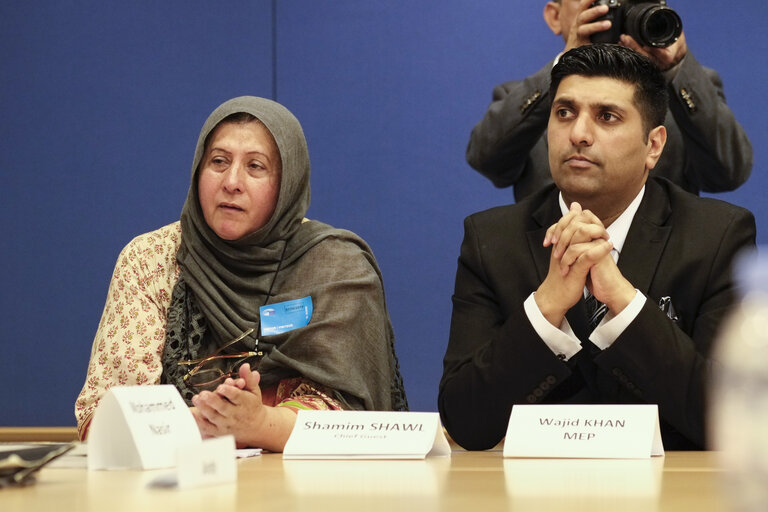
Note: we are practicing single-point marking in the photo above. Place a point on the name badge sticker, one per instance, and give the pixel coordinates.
(285, 316)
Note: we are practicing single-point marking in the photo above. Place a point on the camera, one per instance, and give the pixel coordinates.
(649, 23)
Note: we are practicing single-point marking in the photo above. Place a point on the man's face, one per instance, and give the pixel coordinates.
(599, 154)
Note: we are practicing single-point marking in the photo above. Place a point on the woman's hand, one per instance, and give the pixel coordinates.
(236, 408)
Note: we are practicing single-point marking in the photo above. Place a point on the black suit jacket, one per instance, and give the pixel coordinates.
(678, 246)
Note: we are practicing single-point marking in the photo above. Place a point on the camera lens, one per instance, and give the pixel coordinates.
(653, 25)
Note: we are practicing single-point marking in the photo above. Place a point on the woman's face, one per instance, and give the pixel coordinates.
(239, 179)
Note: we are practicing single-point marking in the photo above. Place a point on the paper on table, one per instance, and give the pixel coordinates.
(244, 453)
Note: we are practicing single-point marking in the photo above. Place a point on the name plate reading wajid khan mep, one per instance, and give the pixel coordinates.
(366, 435)
(584, 431)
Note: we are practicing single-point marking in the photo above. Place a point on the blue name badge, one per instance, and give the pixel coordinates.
(285, 316)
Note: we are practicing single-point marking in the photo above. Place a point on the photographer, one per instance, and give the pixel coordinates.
(707, 150)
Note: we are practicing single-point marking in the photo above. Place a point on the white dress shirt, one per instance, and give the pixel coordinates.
(562, 340)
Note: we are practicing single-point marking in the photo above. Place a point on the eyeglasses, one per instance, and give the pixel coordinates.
(210, 371)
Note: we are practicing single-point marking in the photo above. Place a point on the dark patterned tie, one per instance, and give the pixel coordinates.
(596, 311)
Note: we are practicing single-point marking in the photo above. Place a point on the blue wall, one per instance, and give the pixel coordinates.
(101, 104)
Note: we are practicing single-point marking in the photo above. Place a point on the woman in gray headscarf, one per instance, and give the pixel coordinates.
(244, 264)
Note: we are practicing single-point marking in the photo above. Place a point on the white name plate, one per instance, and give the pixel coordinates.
(584, 431)
(211, 462)
(140, 427)
(366, 435)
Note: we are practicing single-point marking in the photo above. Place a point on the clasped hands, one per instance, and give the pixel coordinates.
(234, 407)
(581, 256)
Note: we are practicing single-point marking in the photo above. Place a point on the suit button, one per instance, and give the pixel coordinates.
(538, 393)
(531, 399)
(551, 379)
(544, 386)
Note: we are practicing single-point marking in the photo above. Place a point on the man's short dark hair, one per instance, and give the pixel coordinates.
(613, 61)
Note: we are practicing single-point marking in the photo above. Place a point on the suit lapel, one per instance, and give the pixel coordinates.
(646, 238)
(544, 215)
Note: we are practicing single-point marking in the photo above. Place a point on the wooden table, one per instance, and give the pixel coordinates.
(467, 482)
(33, 434)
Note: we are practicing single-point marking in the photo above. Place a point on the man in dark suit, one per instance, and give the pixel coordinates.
(528, 273)
(707, 149)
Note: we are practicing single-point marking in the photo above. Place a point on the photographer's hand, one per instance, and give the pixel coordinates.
(584, 24)
(665, 58)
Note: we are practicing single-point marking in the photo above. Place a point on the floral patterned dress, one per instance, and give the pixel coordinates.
(128, 346)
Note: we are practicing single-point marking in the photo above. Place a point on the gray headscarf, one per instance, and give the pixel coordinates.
(348, 344)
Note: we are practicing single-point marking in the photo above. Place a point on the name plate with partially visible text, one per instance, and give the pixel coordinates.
(584, 431)
(366, 435)
(140, 427)
(210, 462)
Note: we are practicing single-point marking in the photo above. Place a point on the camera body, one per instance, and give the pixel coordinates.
(649, 23)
